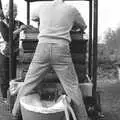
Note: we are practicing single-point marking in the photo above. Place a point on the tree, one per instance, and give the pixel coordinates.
(118, 38)
(110, 39)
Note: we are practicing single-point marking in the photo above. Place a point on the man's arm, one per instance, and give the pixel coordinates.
(17, 31)
(79, 22)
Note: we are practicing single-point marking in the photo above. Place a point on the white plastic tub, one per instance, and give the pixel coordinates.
(86, 88)
(34, 109)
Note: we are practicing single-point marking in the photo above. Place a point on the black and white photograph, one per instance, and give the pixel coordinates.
(59, 60)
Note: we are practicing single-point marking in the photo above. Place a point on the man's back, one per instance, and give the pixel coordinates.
(56, 20)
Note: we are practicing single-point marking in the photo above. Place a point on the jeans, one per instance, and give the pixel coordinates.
(4, 75)
(59, 57)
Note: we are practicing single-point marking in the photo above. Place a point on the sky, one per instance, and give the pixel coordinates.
(108, 13)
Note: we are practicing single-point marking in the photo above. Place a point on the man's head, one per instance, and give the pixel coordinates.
(6, 10)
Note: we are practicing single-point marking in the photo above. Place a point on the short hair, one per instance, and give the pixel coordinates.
(6, 9)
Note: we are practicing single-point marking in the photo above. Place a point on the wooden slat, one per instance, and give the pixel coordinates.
(52, 0)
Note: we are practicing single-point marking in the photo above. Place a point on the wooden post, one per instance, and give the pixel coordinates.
(0, 5)
(90, 40)
(95, 40)
(28, 12)
(11, 62)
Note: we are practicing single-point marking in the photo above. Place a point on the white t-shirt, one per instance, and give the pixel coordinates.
(56, 21)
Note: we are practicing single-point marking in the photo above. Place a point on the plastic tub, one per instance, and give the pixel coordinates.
(86, 88)
(32, 108)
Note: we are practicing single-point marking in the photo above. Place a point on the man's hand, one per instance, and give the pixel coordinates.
(23, 27)
(15, 86)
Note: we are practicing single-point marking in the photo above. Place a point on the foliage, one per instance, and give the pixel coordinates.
(109, 54)
(118, 38)
(107, 59)
(112, 38)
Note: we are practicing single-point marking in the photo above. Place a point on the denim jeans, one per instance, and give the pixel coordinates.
(59, 57)
(4, 75)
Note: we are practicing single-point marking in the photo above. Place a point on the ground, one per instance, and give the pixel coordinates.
(110, 101)
(4, 112)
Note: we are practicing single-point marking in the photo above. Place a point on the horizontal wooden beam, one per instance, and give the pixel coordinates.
(52, 0)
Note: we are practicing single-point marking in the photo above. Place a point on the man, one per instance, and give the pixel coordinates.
(56, 21)
(4, 48)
